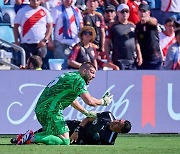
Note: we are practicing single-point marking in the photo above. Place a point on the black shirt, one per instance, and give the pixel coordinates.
(122, 36)
(96, 22)
(96, 132)
(148, 38)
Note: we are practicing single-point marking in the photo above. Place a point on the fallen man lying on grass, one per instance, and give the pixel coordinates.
(102, 130)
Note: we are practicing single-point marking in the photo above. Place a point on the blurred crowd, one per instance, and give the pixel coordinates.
(112, 34)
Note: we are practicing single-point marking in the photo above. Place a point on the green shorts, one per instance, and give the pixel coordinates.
(53, 123)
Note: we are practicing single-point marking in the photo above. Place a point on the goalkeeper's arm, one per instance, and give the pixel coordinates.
(88, 99)
(78, 106)
(92, 101)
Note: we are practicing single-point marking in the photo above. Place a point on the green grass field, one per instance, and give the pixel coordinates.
(135, 144)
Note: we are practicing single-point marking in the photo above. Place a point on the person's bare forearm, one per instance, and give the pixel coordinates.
(16, 34)
(48, 31)
(153, 21)
(90, 100)
(107, 48)
(138, 52)
(103, 39)
(77, 106)
(114, 2)
(18, 2)
(85, 121)
(74, 63)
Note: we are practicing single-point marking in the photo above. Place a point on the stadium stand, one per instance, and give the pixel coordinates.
(8, 14)
(1, 3)
(5, 57)
(6, 32)
(7, 53)
(1, 16)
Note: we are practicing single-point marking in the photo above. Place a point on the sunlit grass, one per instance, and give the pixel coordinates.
(135, 144)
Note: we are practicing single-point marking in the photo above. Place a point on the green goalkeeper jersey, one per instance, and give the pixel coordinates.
(61, 92)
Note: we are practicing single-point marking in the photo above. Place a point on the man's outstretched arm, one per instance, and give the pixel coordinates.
(75, 135)
(92, 101)
(81, 109)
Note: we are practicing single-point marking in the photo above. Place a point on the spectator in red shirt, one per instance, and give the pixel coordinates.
(133, 7)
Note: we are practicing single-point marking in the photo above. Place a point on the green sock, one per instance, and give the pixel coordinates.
(50, 139)
(66, 141)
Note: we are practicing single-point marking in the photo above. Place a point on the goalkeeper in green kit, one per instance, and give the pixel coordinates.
(58, 94)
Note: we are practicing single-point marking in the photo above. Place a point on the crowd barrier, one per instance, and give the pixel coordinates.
(149, 99)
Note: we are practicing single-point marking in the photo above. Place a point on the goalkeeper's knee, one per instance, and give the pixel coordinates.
(60, 141)
(66, 141)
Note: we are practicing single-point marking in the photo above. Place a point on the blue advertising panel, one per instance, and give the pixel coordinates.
(149, 99)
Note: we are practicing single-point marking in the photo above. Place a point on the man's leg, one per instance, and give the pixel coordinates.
(30, 49)
(55, 132)
(49, 139)
(61, 51)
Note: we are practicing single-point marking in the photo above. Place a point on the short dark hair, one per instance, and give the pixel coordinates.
(169, 20)
(144, 7)
(110, 7)
(87, 65)
(127, 127)
(36, 61)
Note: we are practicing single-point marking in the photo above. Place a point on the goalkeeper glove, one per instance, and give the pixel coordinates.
(106, 99)
(90, 114)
